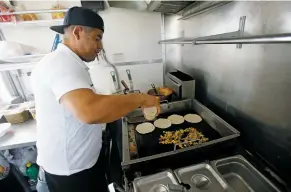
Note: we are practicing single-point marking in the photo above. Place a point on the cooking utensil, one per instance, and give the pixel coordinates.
(154, 87)
(113, 75)
(164, 93)
(130, 79)
(126, 89)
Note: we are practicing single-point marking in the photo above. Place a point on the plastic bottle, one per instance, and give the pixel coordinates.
(32, 170)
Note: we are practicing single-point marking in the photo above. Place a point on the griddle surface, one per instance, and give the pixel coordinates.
(148, 144)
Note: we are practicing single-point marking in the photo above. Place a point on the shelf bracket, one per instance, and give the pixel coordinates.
(241, 29)
(2, 38)
(182, 37)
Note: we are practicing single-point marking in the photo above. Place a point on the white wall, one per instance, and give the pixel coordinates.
(129, 36)
(143, 75)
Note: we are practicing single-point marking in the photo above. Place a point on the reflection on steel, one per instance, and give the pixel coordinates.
(194, 13)
(256, 39)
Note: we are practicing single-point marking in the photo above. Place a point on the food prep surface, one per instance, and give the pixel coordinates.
(145, 152)
(19, 135)
(188, 134)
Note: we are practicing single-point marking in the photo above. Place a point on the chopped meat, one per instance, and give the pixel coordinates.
(183, 137)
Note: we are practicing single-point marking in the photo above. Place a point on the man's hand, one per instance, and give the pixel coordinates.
(151, 101)
(93, 108)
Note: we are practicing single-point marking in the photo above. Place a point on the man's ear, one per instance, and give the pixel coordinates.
(76, 32)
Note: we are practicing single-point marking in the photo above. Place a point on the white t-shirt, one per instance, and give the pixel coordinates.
(65, 144)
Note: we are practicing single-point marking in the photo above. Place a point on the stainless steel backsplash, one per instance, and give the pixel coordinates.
(250, 87)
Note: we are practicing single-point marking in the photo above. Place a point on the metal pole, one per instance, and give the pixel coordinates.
(103, 55)
(9, 83)
(163, 46)
(18, 76)
(256, 39)
(36, 11)
(2, 38)
(177, 42)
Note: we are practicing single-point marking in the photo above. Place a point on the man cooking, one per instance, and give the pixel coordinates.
(70, 113)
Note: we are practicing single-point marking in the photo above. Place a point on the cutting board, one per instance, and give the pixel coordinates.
(143, 75)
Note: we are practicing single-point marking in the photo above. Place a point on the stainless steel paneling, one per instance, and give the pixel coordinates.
(254, 81)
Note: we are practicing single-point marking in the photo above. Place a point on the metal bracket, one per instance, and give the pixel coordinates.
(2, 38)
(241, 29)
(182, 36)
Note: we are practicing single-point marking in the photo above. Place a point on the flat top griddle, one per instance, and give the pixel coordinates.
(148, 144)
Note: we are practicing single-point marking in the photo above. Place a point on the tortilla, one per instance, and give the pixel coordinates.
(145, 128)
(150, 113)
(192, 118)
(176, 119)
(162, 123)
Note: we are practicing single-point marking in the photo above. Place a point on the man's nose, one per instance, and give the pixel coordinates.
(100, 45)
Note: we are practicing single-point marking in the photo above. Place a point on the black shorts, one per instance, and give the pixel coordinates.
(92, 179)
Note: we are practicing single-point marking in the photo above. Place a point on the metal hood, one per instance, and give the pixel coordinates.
(169, 7)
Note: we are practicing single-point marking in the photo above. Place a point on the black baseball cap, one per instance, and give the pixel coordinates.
(80, 16)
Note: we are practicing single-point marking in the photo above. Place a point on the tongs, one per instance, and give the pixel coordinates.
(126, 89)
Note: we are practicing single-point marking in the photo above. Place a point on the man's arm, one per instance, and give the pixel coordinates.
(92, 108)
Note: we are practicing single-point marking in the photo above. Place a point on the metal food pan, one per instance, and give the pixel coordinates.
(155, 182)
(201, 177)
(241, 175)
